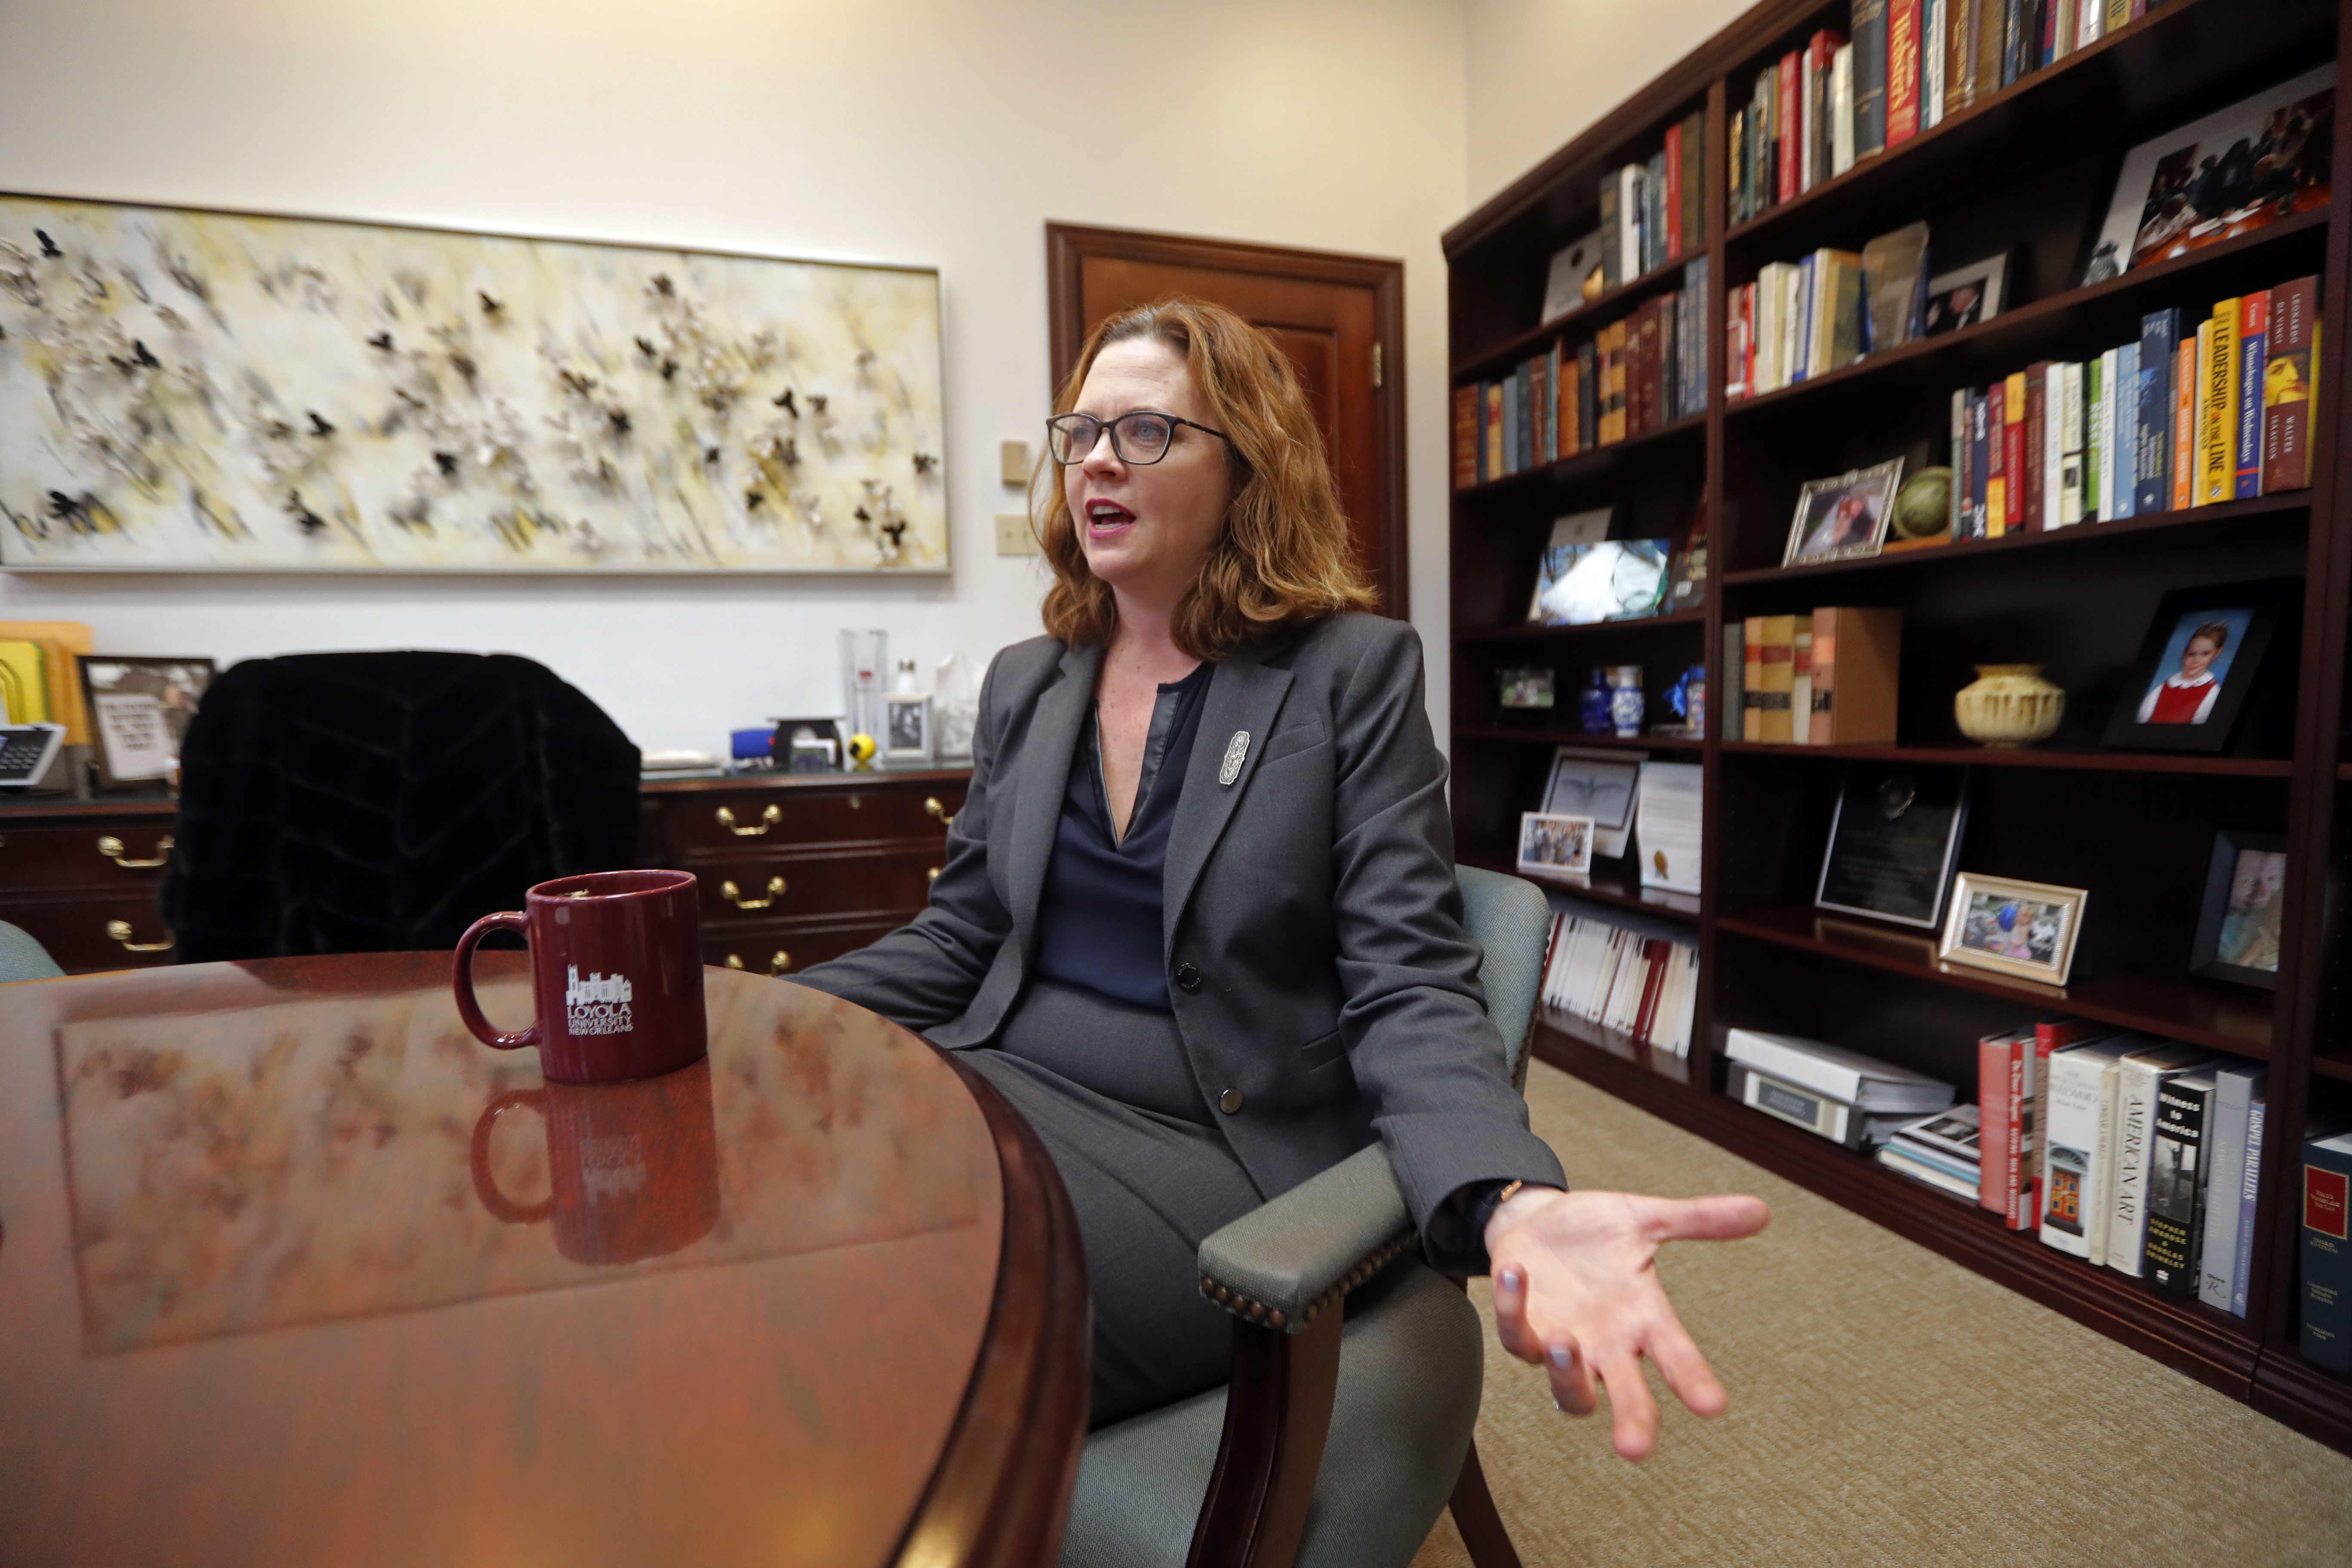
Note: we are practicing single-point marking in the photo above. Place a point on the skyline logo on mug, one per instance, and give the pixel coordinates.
(596, 1005)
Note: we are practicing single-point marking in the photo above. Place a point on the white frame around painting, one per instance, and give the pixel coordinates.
(194, 390)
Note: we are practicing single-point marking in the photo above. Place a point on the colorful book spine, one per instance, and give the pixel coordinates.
(2003, 1064)
(1996, 513)
(2094, 425)
(1612, 229)
(2235, 1089)
(1493, 445)
(2327, 1337)
(1931, 64)
(2217, 422)
(2159, 351)
(2019, 480)
(2053, 446)
(2122, 430)
(1801, 684)
(2183, 489)
(1790, 125)
(1873, 70)
(2242, 1272)
(2290, 386)
(1956, 512)
(1674, 201)
(2070, 478)
(1776, 683)
(2253, 334)
(1903, 82)
(1980, 460)
(1751, 712)
(1466, 437)
(2036, 433)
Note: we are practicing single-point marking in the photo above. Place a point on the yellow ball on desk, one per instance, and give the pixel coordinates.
(861, 749)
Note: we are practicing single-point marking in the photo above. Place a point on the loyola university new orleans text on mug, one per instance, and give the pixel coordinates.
(615, 972)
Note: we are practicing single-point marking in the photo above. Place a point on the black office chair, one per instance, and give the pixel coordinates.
(380, 801)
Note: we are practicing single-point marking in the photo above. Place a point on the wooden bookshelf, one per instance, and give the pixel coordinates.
(2030, 166)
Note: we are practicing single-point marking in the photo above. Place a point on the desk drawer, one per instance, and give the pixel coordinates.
(95, 931)
(785, 947)
(117, 854)
(762, 818)
(857, 881)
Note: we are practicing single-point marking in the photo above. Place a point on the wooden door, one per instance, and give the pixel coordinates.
(1341, 318)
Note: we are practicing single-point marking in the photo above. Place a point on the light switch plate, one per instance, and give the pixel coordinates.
(1013, 534)
(1012, 463)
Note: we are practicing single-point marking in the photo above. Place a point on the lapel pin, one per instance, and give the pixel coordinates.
(1235, 750)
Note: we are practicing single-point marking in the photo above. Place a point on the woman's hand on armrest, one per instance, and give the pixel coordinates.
(1577, 1292)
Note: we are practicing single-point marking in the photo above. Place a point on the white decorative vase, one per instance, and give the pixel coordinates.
(2009, 705)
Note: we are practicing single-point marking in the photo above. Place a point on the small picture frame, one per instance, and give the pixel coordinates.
(1964, 295)
(1554, 845)
(2198, 665)
(140, 708)
(2237, 919)
(1528, 687)
(906, 729)
(2024, 929)
(1845, 517)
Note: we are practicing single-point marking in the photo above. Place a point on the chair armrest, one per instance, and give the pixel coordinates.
(1282, 1263)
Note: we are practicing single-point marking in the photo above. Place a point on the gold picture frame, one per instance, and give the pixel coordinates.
(2024, 929)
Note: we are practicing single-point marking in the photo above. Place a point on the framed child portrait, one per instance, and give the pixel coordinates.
(2198, 665)
(1843, 517)
(2024, 928)
(2239, 919)
(1552, 845)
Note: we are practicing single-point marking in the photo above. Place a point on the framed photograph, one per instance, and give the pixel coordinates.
(2252, 164)
(1554, 845)
(2245, 899)
(1602, 785)
(905, 728)
(1895, 836)
(1964, 295)
(1528, 687)
(1615, 580)
(2024, 928)
(2198, 665)
(1843, 517)
(140, 708)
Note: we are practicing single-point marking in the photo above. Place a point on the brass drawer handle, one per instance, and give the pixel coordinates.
(734, 895)
(767, 819)
(113, 848)
(121, 932)
(933, 875)
(932, 807)
(777, 964)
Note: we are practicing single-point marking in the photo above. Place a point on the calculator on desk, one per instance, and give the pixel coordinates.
(27, 750)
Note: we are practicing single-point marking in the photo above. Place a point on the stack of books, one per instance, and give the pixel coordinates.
(1805, 319)
(1942, 1151)
(1629, 378)
(1654, 214)
(1819, 110)
(1824, 679)
(1841, 1095)
(2190, 414)
(1629, 978)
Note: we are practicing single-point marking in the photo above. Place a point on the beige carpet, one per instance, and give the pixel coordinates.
(1888, 1406)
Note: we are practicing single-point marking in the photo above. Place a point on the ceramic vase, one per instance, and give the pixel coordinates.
(2009, 705)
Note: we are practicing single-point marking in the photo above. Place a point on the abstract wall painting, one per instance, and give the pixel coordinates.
(198, 391)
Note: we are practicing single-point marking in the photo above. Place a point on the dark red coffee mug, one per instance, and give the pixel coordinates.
(615, 970)
(633, 1167)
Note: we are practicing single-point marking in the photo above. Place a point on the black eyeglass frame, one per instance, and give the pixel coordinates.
(1054, 426)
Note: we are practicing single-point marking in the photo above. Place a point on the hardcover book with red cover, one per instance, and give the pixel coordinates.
(1903, 19)
(1790, 125)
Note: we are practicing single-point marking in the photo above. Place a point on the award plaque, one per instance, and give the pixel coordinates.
(1892, 843)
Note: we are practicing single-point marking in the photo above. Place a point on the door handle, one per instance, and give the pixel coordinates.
(114, 850)
(767, 819)
(932, 807)
(777, 964)
(734, 895)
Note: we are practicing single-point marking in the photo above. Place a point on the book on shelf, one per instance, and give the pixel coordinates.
(2050, 1037)
(1872, 64)
(2242, 1270)
(2078, 1149)
(1856, 664)
(2236, 1091)
(2216, 422)
(2327, 1285)
(1629, 977)
(2176, 1187)
(1996, 461)
(1838, 100)
(1801, 681)
(2290, 386)
(1770, 689)
(2159, 351)
(2147, 1065)
(1951, 1141)
(1935, 26)
(2006, 1064)
(1905, 1162)
(2246, 404)
(1861, 1081)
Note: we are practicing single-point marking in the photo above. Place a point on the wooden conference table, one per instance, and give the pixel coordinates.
(293, 1270)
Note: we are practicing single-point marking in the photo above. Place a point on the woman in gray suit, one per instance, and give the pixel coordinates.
(1199, 922)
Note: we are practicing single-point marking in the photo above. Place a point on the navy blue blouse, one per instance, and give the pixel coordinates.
(1100, 922)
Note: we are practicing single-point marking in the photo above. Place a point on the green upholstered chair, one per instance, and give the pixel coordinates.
(22, 958)
(1341, 1438)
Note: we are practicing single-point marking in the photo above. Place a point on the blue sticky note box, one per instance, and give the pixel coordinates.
(750, 744)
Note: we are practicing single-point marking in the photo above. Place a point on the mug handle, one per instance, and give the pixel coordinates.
(461, 980)
(486, 1186)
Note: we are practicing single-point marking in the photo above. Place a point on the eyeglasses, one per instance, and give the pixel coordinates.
(1141, 437)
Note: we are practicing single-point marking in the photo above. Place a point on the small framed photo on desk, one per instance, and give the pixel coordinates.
(140, 708)
(906, 729)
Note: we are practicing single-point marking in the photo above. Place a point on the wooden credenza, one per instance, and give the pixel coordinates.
(795, 868)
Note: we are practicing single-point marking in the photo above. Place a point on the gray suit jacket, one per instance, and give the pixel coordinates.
(1313, 927)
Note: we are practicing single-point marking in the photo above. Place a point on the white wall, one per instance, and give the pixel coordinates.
(1542, 71)
(911, 130)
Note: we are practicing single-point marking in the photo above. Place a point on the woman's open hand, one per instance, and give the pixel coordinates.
(1577, 1292)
